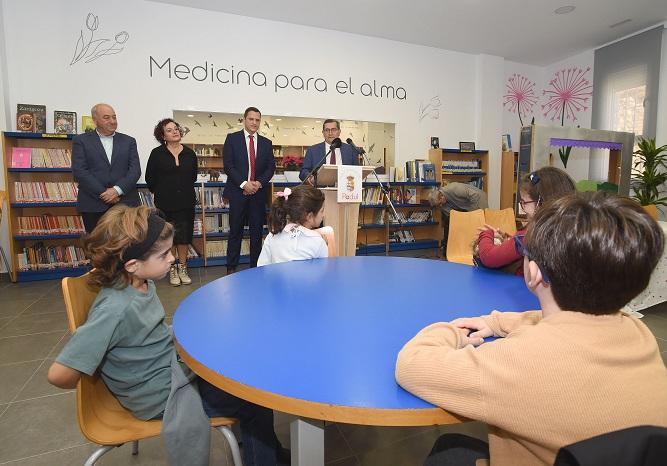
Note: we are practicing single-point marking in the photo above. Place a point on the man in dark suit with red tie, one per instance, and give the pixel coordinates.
(249, 164)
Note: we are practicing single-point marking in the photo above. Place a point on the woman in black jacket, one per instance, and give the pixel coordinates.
(171, 173)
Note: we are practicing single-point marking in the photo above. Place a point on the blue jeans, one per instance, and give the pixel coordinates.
(260, 444)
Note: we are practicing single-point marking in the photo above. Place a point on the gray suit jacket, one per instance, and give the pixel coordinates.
(95, 174)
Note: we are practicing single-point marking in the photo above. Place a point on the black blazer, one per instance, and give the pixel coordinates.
(94, 173)
(235, 158)
(172, 185)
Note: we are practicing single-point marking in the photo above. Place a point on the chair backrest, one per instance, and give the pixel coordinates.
(634, 446)
(102, 419)
(463, 231)
(503, 219)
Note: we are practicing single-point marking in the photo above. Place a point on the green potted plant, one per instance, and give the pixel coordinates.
(649, 173)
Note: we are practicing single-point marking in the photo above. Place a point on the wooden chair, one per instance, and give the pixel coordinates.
(463, 231)
(330, 238)
(102, 419)
(3, 198)
(503, 219)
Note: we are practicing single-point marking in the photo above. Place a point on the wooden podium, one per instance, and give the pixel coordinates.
(343, 217)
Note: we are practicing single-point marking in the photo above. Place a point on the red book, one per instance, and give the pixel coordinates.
(21, 157)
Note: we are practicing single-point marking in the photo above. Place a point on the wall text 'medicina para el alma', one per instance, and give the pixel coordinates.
(208, 72)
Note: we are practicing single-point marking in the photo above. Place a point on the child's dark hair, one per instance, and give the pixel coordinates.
(302, 200)
(597, 249)
(546, 184)
(119, 228)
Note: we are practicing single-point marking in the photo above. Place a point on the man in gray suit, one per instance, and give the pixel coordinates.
(106, 166)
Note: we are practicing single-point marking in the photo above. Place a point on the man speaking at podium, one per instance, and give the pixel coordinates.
(345, 155)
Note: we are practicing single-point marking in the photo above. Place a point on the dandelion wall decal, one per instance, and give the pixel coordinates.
(567, 94)
(520, 95)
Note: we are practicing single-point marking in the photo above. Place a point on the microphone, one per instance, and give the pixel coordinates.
(335, 144)
(358, 149)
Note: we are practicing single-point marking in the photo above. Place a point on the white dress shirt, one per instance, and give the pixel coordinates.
(247, 145)
(339, 157)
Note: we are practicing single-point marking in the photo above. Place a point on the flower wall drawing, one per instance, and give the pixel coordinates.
(89, 49)
(519, 96)
(567, 94)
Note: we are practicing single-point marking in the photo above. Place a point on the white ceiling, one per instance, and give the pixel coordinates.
(525, 31)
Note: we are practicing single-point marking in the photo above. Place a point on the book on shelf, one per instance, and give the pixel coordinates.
(378, 217)
(42, 257)
(49, 191)
(213, 198)
(419, 216)
(401, 236)
(21, 157)
(216, 223)
(396, 194)
(48, 224)
(411, 196)
(31, 118)
(506, 143)
(372, 195)
(461, 166)
(64, 122)
(39, 157)
(218, 248)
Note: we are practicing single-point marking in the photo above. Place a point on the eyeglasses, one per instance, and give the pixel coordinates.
(330, 130)
(525, 203)
(522, 251)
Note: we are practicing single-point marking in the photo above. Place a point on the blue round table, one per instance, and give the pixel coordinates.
(319, 338)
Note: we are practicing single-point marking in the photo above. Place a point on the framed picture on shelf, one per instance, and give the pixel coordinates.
(87, 124)
(467, 146)
(64, 122)
(435, 142)
(31, 118)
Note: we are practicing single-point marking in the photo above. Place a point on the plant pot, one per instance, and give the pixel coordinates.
(652, 210)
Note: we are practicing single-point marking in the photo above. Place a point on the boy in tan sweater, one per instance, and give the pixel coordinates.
(578, 368)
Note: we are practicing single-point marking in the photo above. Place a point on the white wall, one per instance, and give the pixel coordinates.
(4, 236)
(195, 37)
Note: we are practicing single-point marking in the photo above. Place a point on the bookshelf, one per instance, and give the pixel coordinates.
(209, 156)
(509, 179)
(462, 167)
(44, 227)
(420, 223)
(211, 228)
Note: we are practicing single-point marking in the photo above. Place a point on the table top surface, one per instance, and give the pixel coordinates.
(325, 333)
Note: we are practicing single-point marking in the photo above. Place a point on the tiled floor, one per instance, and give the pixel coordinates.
(38, 422)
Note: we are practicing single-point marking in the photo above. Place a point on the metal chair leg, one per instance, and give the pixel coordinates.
(233, 444)
(97, 454)
(135, 447)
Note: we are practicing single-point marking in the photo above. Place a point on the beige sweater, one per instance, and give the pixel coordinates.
(551, 382)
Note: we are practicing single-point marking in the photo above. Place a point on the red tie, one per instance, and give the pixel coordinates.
(252, 158)
(333, 156)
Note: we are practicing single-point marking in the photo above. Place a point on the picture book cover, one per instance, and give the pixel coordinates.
(31, 118)
(411, 196)
(87, 124)
(21, 157)
(64, 122)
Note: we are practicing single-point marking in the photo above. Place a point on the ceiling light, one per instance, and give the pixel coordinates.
(563, 10)
(279, 119)
(191, 116)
